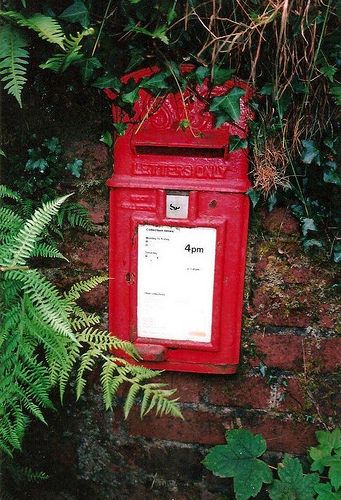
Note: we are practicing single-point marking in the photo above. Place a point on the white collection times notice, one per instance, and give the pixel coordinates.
(175, 282)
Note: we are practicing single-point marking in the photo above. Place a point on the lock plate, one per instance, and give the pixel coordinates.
(177, 205)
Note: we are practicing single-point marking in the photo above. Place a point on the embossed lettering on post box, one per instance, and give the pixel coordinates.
(178, 231)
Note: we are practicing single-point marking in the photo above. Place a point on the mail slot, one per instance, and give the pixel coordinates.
(178, 230)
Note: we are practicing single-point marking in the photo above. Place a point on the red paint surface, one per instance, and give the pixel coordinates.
(156, 155)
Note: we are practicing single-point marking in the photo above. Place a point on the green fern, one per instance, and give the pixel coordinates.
(46, 27)
(60, 62)
(13, 60)
(45, 335)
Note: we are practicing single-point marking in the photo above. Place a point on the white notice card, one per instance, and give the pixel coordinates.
(175, 282)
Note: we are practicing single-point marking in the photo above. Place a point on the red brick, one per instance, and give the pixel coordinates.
(198, 427)
(283, 435)
(291, 352)
(280, 221)
(204, 427)
(96, 299)
(189, 386)
(97, 211)
(293, 397)
(246, 392)
(87, 252)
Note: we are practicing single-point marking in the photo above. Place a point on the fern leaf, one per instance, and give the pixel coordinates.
(73, 47)
(6, 192)
(13, 60)
(130, 399)
(83, 286)
(87, 363)
(26, 239)
(46, 27)
(76, 216)
(45, 250)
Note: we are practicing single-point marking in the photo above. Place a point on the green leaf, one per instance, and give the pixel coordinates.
(293, 484)
(237, 143)
(120, 128)
(310, 152)
(325, 492)
(75, 167)
(254, 196)
(238, 459)
(221, 75)
(159, 32)
(130, 97)
(335, 91)
(201, 73)
(46, 27)
(2, 153)
(337, 252)
(331, 174)
(267, 89)
(108, 82)
(184, 124)
(88, 67)
(156, 82)
(307, 225)
(53, 145)
(76, 13)
(312, 243)
(334, 473)
(13, 60)
(106, 138)
(228, 105)
(329, 72)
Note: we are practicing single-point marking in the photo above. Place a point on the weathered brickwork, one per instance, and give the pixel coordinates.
(286, 388)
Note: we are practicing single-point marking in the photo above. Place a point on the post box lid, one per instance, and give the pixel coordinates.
(171, 140)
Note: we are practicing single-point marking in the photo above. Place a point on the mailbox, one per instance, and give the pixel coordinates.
(178, 230)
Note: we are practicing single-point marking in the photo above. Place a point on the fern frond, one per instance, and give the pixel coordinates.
(73, 47)
(46, 27)
(88, 360)
(75, 215)
(46, 299)
(25, 241)
(9, 220)
(6, 192)
(106, 377)
(130, 399)
(13, 60)
(83, 286)
(46, 250)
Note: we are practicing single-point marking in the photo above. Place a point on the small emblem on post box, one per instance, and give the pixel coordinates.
(176, 205)
(178, 231)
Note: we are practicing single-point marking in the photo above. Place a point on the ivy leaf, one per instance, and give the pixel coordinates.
(307, 225)
(337, 252)
(130, 97)
(267, 89)
(53, 145)
(108, 82)
(120, 128)
(237, 143)
(324, 491)
(221, 75)
(77, 13)
(201, 73)
(254, 196)
(331, 174)
(106, 138)
(293, 484)
(156, 82)
(228, 106)
(87, 68)
(238, 459)
(335, 91)
(75, 168)
(310, 152)
(329, 72)
(159, 32)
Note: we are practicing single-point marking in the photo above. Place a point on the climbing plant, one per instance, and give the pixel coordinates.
(289, 53)
(241, 459)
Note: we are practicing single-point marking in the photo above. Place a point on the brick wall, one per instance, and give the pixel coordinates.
(287, 385)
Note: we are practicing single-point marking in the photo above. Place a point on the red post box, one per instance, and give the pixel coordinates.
(178, 231)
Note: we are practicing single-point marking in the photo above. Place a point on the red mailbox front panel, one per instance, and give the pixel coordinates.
(178, 231)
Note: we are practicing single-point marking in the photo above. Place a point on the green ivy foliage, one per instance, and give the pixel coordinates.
(241, 460)
(290, 56)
